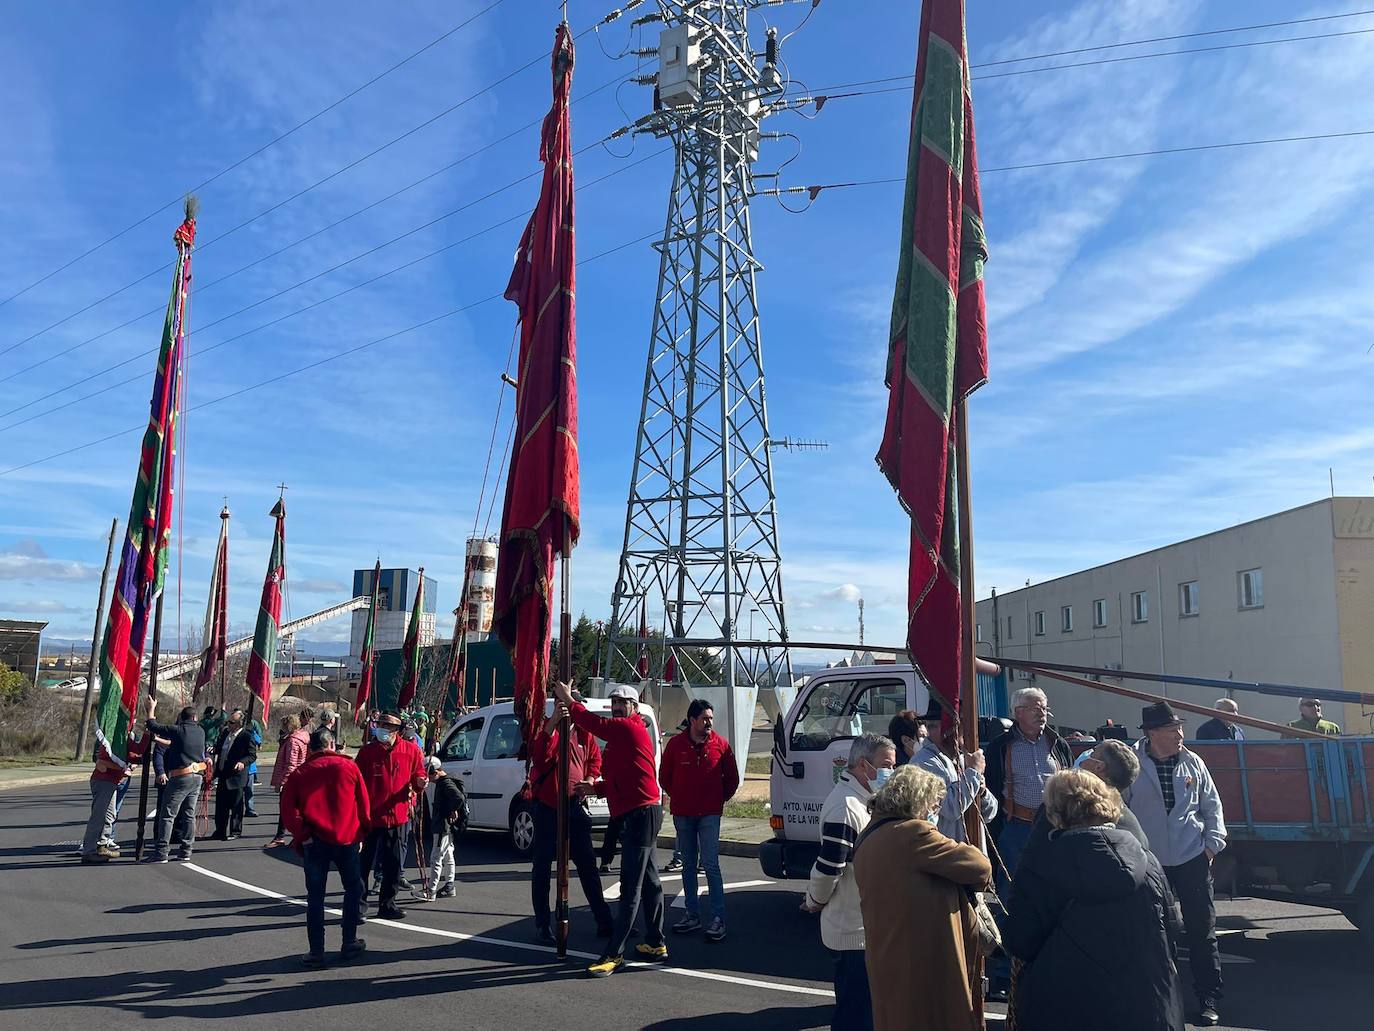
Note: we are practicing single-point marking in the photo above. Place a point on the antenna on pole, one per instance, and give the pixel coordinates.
(861, 622)
(798, 444)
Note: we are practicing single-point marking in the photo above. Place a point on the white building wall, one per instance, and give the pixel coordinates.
(1293, 638)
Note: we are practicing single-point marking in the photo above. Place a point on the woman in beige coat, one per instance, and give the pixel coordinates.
(918, 923)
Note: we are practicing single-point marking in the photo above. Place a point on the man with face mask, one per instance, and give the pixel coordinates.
(1180, 812)
(394, 772)
(833, 892)
(234, 753)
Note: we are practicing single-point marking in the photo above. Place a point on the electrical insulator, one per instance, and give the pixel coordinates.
(768, 78)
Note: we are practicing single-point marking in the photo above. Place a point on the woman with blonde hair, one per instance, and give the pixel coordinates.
(1091, 918)
(293, 745)
(919, 930)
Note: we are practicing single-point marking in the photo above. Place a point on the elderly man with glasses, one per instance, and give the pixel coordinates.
(1019, 765)
(1310, 718)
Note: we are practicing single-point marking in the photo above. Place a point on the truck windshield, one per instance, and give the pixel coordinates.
(845, 709)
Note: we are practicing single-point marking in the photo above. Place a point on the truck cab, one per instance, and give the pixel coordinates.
(811, 746)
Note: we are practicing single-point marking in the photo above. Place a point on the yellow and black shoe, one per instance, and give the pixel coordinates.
(646, 953)
(605, 966)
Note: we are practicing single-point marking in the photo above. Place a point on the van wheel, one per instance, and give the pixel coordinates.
(522, 827)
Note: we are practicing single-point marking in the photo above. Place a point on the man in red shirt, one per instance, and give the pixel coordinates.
(584, 765)
(699, 774)
(394, 772)
(325, 806)
(629, 781)
(98, 845)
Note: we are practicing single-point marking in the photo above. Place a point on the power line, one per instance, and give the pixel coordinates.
(279, 251)
(201, 351)
(269, 144)
(319, 362)
(816, 190)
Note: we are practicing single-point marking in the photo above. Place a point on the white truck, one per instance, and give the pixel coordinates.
(811, 746)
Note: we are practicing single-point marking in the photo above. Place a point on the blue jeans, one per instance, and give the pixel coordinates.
(853, 1001)
(1010, 843)
(700, 836)
(319, 856)
(120, 792)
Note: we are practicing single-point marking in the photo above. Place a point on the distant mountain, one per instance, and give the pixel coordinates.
(64, 646)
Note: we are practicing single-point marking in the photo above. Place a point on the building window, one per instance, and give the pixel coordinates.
(1066, 619)
(978, 632)
(1100, 612)
(1040, 624)
(1251, 584)
(1187, 598)
(1140, 607)
(1010, 635)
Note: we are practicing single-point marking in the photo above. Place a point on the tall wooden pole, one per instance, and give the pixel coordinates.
(95, 646)
(561, 917)
(148, 745)
(968, 670)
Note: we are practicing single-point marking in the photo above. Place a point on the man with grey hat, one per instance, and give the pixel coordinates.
(1180, 812)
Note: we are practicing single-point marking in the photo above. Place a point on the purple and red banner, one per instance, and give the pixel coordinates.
(143, 557)
(540, 518)
(938, 343)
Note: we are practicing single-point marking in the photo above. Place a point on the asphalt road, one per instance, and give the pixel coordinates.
(115, 945)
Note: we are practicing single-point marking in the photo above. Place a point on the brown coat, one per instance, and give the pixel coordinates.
(918, 924)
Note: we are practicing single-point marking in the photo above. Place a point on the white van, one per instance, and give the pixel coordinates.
(811, 746)
(482, 749)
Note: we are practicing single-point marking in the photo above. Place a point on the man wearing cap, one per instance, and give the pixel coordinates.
(629, 782)
(325, 806)
(1310, 718)
(1180, 812)
(393, 771)
(449, 809)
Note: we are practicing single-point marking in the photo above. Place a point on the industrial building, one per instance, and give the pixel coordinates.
(20, 643)
(395, 596)
(1288, 598)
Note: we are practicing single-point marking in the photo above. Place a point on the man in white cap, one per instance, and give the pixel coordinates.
(629, 782)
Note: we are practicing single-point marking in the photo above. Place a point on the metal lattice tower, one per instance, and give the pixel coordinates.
(701, 529)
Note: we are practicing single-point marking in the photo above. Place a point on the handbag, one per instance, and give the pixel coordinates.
(985, 927)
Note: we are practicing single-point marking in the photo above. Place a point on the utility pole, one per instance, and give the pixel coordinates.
(701, 517)
(95, 647)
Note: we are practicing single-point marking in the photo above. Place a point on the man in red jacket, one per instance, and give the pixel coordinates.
(325, 807)
(629, 783)
(394, 771)
(584, 765)
(699, 774)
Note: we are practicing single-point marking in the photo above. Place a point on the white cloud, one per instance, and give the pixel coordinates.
(29, 562)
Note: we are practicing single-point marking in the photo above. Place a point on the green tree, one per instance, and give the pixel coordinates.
(13, 684)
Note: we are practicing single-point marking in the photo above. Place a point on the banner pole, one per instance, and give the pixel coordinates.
(564, 729)
(148, 744)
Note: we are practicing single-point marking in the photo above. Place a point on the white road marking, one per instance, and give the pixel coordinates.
(681, 901)
(612, 892)
(705, 975)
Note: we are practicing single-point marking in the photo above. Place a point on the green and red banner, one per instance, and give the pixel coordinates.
(143, 557)
(410, 650)
(216, 630)
(263, 659)
(937, 351)
(369, 653)
(540, 519)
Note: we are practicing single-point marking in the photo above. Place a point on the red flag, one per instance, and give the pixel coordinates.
(264, 655)
(216, 611)
(670, 668)
(938, 343)
(540, 518)
(410, 649)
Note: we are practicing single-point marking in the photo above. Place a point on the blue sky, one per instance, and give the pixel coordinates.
(1177, 342)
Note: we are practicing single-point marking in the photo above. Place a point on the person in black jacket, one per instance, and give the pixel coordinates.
(449, 811)
(234, 753)
(1218, 729)
(1091, 920)
(180, 775)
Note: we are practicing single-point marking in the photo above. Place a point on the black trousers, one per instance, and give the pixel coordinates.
(228, 809)
(1192, 883)
(583, 856)
(638, 877)
(610, 842)
(385, 842)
